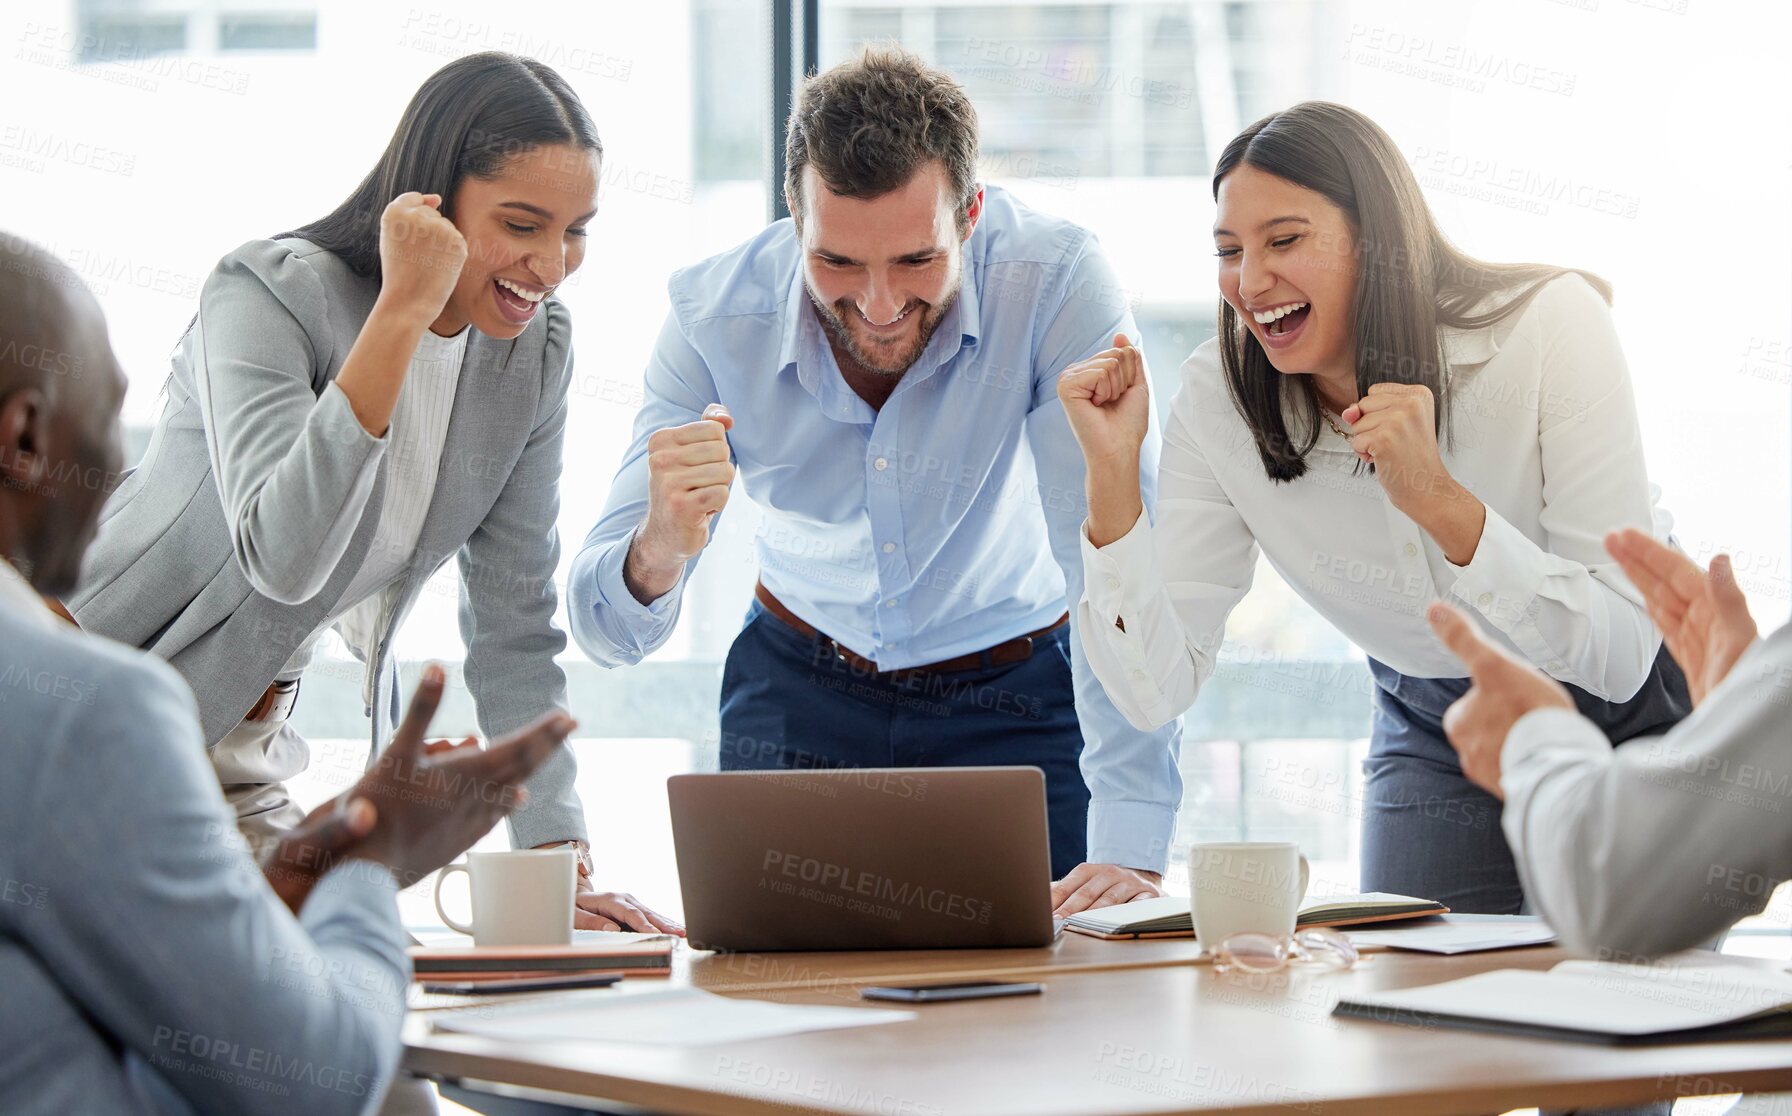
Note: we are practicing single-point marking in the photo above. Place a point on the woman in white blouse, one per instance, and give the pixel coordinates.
(1391, 422)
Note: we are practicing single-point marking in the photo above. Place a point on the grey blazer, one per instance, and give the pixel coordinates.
(258, 497)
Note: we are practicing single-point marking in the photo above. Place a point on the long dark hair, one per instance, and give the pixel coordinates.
(1410, 279)
(466, 120)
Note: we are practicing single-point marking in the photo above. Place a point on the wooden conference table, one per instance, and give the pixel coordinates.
(1123, 1027)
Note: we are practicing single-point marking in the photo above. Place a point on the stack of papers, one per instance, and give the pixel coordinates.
(660, 1017)
(440, 958)
(1168, 915)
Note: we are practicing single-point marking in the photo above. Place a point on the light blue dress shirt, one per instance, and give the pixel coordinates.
(943, 523)
(145, 965)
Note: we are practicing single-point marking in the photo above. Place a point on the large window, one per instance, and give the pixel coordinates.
(122, 31)
(1557, 147)
(146, 138)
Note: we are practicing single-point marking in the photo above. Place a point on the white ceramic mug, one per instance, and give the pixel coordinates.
(1245, 886)
(521, 897)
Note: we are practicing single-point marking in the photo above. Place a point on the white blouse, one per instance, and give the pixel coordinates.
(417, 433)
(415, 439)
(1542, 429)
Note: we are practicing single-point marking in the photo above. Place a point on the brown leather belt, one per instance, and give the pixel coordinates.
(276, 704)
(1016, 650)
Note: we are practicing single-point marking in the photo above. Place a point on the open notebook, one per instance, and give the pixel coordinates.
(1168, 915)
(1596, 1001)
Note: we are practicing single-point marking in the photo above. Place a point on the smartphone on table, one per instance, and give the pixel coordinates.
(935, 993)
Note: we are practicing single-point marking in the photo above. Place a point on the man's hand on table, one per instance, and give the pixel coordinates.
(1089, 886)
(610, 910)
(618, 910)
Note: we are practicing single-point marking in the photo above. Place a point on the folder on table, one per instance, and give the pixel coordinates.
(628, 954)
(1596, 1001)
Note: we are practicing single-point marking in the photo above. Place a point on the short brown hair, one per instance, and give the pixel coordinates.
(870, 123)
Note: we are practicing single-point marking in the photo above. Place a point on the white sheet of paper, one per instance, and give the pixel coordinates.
(1448, 936)
(661, 1017)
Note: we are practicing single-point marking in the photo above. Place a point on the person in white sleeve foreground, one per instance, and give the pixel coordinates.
(1666, 842)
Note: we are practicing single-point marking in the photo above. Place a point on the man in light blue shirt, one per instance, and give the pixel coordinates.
(882, 371)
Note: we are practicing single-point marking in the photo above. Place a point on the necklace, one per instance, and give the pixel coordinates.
(1336, 429)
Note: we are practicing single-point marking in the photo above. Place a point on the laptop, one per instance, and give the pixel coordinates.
(864, 858)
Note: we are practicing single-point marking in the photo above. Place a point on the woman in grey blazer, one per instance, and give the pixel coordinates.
(354, 403)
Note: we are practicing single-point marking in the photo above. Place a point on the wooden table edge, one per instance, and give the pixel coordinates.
(473, 1066)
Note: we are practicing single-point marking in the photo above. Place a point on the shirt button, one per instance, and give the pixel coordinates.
(889, 604)
(889, 646)
(880, 464)
(889, 548)
(1484, 600)
(1409, 550)
(1113, 582)
(1140, 676)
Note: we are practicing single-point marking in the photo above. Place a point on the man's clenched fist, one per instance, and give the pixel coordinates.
(688, 476)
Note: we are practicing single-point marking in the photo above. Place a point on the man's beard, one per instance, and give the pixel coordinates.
(834, 318)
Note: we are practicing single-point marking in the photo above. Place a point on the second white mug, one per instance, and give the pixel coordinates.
(521, 897)
(1245, 886)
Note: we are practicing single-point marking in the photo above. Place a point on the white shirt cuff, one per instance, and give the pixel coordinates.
(1119, 580)
(1116, 576)
(1502, 580)
(1548, 730)
(1131, 834)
